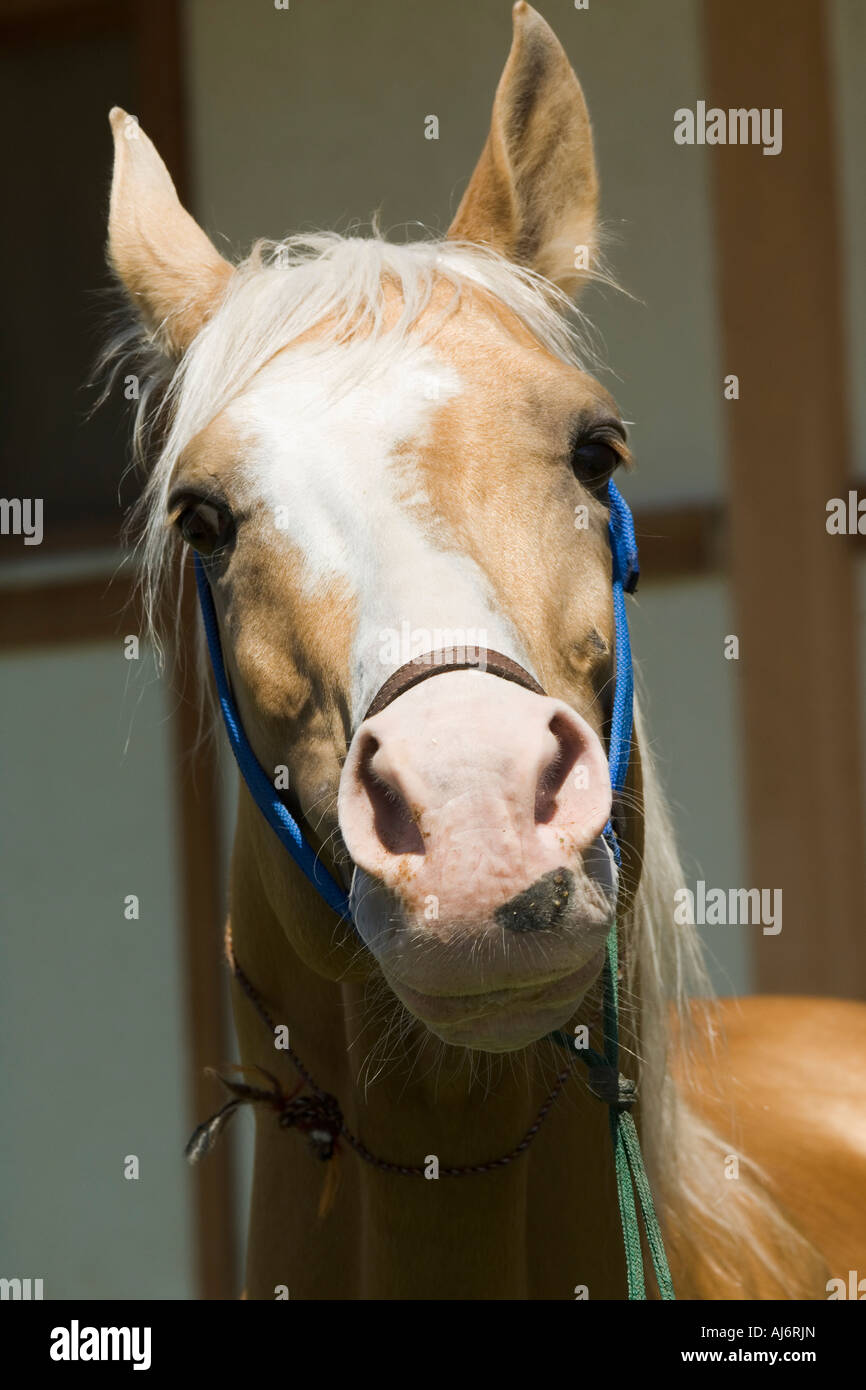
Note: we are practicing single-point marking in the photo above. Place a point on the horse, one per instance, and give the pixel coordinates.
(377, 454)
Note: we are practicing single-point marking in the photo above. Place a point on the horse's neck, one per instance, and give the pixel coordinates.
(538, 1228)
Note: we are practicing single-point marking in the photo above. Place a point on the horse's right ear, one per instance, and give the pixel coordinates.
(534, 193)
(171, 271)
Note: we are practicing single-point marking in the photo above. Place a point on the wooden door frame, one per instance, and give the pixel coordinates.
(80, 610)
(780, 276)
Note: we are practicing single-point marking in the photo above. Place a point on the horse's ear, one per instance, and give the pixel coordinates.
(534, 193)
(171, 271)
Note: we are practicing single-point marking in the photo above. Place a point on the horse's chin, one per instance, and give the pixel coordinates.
(504, 1020)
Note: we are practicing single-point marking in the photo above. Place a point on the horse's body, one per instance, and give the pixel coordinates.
(789, 1089)
(364, 439)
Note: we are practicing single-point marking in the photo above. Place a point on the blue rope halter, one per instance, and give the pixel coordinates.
(261, 788)
(604, 1075)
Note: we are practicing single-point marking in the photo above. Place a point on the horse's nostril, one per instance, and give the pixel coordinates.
(395, 822)
(565, 756)
(542, 906)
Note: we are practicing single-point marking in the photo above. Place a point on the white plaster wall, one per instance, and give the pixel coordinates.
(91, 1029)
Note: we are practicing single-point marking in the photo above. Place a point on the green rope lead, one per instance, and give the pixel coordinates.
(630, 1171)
(631, 1143)
(627, 1211)
(605, 1082)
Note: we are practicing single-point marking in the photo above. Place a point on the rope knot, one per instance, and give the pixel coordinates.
(316, 1115)
(609, 1085)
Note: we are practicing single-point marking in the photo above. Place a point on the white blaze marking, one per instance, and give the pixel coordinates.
(323, 448)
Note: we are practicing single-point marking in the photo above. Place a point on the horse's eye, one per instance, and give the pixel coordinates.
(206, 526)
(594, 462)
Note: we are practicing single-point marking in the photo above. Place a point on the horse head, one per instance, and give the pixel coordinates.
(382, 452)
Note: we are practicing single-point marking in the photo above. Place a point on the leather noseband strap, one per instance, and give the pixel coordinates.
(434, 663)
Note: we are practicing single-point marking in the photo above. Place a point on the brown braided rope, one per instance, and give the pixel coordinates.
(443, 660)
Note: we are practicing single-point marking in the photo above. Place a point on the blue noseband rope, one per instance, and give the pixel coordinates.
(605, 1080)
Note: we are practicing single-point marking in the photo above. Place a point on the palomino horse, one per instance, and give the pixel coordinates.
(378, 451)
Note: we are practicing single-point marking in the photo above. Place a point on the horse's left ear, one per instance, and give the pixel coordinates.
(534, 193)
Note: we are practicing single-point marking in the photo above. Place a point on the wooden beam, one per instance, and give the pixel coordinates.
(67, 538)
(676, 544)
(680, 542)
(789, 452)
(27, 22)
(67, 613)
(159, 55)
